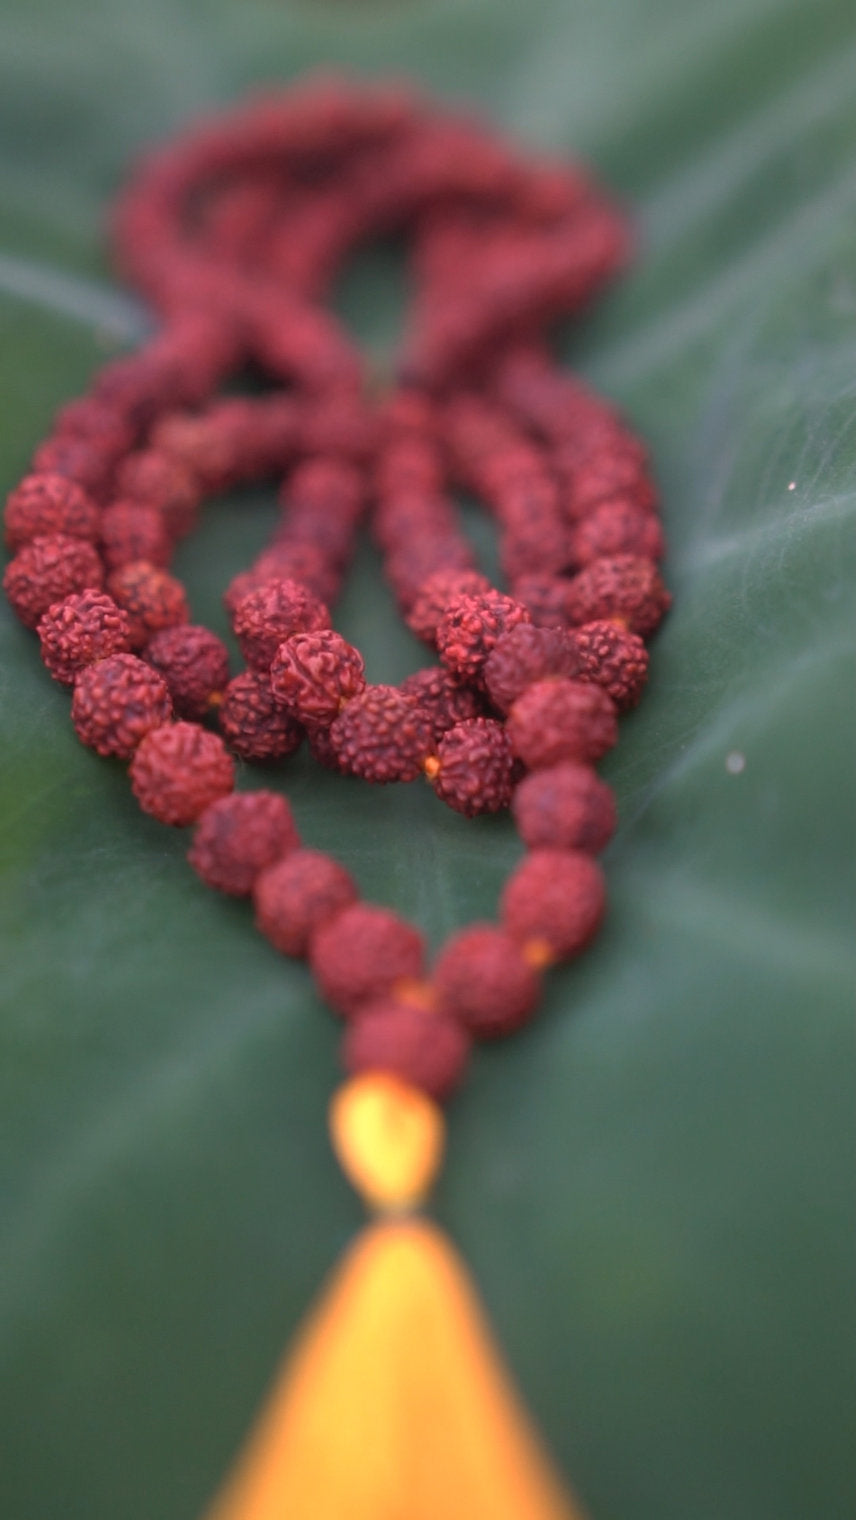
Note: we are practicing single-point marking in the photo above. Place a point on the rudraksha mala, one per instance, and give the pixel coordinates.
(235, 233)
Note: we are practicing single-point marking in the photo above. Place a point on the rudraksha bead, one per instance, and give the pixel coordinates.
(624, 587)
(358, 956)
(116, 702)
(43, 505)
(152, 598)
(484, 980)
(471, 626)
(240, 836)
(131, 531)
(195, 665)
(382, 736)
(426, 1049)
(553, 904)
(48, 569)
(524, 655)
(297, 895)
(561, 720)
(566, 806)
(178, 770)
(84, 627)
(252, 724)
(441, 698)
(613, 657)
(437, 592)
(264, 618)
(473, 768)
(313, 675)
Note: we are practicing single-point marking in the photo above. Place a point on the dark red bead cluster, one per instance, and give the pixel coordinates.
(236, 233)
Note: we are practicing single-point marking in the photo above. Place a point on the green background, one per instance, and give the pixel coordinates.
(652, 1183)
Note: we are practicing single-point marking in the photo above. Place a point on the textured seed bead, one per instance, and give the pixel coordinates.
(84, 627)
(296, 896)
(251, 722)
(437, 592)
(382, 736)
(474, 767)
(427, 1050)
(565, 805)
(314, 674)
(471, 626)
(553, 903)
(158, 481)
(545, 598)
(195, 665)
(178, 770)
(42, 505)
(617, 526)
(240, 836)
(48, 569)
(484, 980)
(152, 598)
(360, 954)
(442, 699)
(614, 658)
(132, 531)
(623, 586)
(116, 702)
(264, 618)
(561, 720)
(524, 655)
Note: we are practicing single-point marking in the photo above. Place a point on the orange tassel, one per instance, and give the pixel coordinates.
(394, 1404)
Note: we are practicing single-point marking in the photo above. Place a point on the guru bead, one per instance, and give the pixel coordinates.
(178, 770)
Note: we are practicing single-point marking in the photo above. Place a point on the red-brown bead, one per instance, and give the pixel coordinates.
(485, 981)
(436, 692)
(561, 720)
(251, 722)
(84, 627)
(178, 770)
(240, 836)
(425, 1049)
(554, 899)
(624, 587)
(361, 953)
(475, 767)
(295, 897)
(267, 616)
(42, 505)
(614, 658)
(565, 805)
(152, 598)
(382, 736)
(470, 628)
(195, 665)
(116, 702)
(314, 674)
(48, 569)
(524, 655)
(437, 592)
(132, 531)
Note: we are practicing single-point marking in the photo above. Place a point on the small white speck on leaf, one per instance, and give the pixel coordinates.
(735, 762)
(792, 485)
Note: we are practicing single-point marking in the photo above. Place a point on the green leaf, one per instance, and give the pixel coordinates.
(650, 1183)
